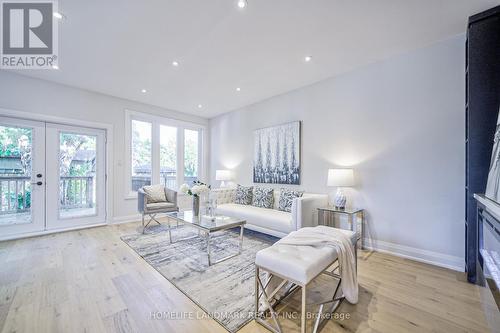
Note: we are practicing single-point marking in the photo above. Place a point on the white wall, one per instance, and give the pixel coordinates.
(39, 97)
(399, 123)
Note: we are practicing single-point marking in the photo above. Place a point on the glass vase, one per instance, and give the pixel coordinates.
(196, 205)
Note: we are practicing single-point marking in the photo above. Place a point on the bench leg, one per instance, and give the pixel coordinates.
(268, 297)
(303, 313)
(265, 298)
(257, 292)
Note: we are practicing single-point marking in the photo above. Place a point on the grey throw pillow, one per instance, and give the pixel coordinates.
(155, 193)
(263, 197)
(243, 195)
(286, 199)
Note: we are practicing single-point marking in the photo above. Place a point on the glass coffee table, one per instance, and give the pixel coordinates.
(207, 225)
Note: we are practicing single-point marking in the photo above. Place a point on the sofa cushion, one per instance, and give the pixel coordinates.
(263, 197)
(160, 205)
(244, 195)
(286, 199)
(155, 193)
(261, 217)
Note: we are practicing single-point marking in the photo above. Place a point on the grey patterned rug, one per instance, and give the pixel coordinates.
(223, 290)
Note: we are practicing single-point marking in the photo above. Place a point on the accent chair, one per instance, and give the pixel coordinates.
(154, 200)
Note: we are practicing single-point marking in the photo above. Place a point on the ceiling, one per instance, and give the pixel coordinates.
(119, 47)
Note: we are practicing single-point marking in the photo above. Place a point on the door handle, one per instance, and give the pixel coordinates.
(37, 183)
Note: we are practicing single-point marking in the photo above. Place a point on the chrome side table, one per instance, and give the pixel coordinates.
(355, 219)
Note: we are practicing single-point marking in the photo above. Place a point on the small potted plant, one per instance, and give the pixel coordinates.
(195, 191)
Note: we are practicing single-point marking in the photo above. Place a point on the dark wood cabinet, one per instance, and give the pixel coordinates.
(482, 84)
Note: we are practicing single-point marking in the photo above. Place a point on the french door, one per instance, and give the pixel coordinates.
(75, 181)
(22, 167)
(52, 177)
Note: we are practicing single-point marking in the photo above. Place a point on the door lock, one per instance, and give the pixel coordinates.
(37, 183)
(38, 175)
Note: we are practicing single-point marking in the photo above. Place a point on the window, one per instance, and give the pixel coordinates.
(141, 154)
(168, 156)
(190, 155)
(162, 151)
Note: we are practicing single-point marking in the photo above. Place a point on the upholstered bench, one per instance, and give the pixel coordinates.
(295, 266)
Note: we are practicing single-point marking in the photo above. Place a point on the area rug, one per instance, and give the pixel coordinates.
(224, 290)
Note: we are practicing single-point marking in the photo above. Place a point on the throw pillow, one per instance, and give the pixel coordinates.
(243, 195)
(286, 199)
(155, 193)
(263, 197)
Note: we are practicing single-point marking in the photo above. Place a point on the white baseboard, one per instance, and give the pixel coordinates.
(126, 219)
(425, 256)
(48, 232)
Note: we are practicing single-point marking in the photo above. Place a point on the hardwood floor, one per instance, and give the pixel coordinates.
(90, 281)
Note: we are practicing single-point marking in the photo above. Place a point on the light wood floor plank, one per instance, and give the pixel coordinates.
(90, 281)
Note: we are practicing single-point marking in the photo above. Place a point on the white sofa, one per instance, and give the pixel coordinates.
(272, 221)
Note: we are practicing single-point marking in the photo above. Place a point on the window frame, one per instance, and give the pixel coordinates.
(156, 121)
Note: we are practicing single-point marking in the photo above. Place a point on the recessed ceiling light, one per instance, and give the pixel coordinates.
(200, 106)
(144, 91)
(58, 15)
(55, 67)
(242, 4)
(307, 58)
(175, 63)
(238, 89)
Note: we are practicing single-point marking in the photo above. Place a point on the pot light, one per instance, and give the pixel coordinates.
(175, 63)
(307, 58)
(144, 91)
(200, 106)
(238, 89)
(55, 67)
(242, 4)
(58, 15)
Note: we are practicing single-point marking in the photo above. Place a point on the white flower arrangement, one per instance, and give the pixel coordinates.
(196, 190)
(184, 188)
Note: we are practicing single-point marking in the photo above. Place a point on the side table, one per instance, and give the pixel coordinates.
(355, 219)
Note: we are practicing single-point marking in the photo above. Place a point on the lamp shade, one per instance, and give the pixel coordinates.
(223, 175)
(340, 177)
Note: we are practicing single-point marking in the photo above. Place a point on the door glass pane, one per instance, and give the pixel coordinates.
(190, 156)
(141, 154)
(168, 156)
(15, 175)
(77, 175)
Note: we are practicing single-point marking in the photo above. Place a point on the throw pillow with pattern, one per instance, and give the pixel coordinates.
(263, 197)
(243, 195)
(286, 199)
(155, 193)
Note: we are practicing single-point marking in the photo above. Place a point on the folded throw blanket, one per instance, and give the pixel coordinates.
(322, 236)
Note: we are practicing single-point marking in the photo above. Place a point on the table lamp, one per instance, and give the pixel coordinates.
(340, 178)
(223, 176)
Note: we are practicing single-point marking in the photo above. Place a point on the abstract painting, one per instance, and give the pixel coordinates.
(493, 184)
(277, 154)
